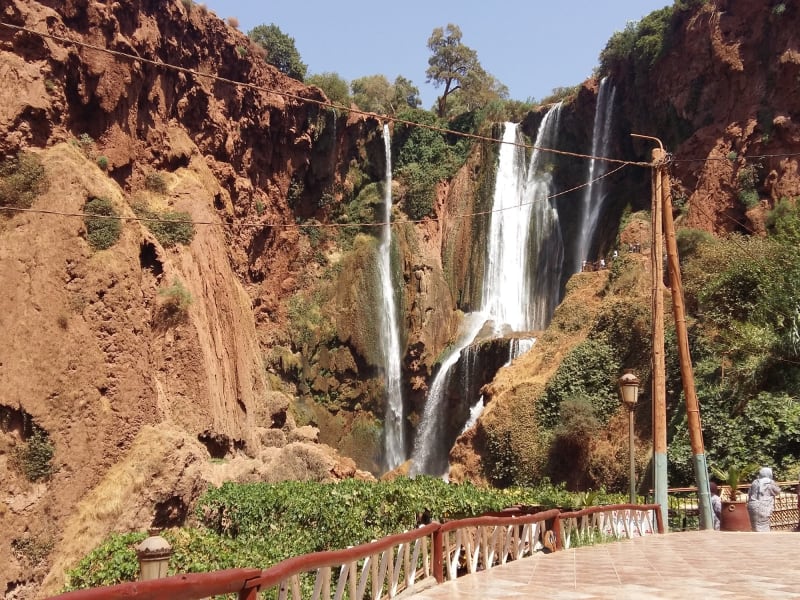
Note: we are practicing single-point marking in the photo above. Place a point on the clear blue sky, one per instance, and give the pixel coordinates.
(531, 46)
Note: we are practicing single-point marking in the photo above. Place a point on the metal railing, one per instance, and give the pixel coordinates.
(606, 523)
(385, 568)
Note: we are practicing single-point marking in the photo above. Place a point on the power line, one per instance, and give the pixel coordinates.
(295, 225)
(251, 86)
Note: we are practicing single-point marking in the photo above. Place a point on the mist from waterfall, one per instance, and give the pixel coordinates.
(524, 238)
(594, 195)
(394, 439)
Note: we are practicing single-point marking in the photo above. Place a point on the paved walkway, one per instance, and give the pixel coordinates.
(709, 565)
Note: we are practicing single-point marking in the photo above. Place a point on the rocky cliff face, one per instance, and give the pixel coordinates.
(135, 403)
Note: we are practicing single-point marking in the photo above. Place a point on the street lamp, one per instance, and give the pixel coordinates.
(153, 554)
(629, 394)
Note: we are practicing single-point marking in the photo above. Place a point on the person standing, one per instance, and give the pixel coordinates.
(716, 505)
(761, 499)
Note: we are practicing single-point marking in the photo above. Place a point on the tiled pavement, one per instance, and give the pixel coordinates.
(709, 565)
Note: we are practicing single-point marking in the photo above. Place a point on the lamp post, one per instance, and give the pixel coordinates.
(629, 394)
(153, 554)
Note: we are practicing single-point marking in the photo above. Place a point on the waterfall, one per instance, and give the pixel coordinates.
(505, 295)
(524, 238)
(395, 448)
(594, 194)
(546, 247)
(430, 454)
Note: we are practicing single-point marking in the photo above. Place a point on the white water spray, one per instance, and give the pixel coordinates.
(395, 447)
(594, 196)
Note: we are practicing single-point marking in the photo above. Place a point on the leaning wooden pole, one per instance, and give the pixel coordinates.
(659, 397)
(687, 373)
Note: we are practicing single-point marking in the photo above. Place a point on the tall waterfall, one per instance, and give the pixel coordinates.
(546, 246)
(594, 195)
(394, 442)
(524, 239)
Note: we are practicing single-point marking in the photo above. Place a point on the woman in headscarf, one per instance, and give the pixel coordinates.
(761, 499)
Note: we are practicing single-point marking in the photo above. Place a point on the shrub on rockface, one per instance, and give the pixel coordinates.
(169, 227)
(22, 179)
(590, 371)
(104, 229)
(34, 457)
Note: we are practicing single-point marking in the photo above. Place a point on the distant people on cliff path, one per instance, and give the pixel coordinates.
(761, 499)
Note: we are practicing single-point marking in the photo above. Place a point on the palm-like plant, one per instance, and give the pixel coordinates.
(732, 476)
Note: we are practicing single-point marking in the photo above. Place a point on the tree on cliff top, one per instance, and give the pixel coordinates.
(456, 65)
(281, 51)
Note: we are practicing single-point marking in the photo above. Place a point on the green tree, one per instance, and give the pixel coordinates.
(451, 63)
(334, 86)
(373, 93)
(281, 51)
(405, 94)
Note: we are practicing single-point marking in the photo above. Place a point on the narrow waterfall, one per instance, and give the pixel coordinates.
(430, 449)
(546, 246)
(524, 238)
(394, 442)
(594, 195)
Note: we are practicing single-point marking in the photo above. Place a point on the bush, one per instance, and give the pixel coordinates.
(102, 231)
(170, 228)
(102, 162)
(22, 179)
(747, 177)
(34, 458)
(155, 182)
(177, 300)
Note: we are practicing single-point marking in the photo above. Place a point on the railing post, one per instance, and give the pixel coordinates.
(438, 564)
(557, 532)
(659, 518)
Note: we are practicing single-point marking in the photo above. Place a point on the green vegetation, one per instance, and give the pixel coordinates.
(155, 182)
(170, 227)
(425, 156)
(589, 373)
(103, 230)
(643, 42)
(260, 524)
(177, 300)
(102, 162)
(455, 66)
(376, 94)
(334, 86)
(742, 295)
(747, 178)
(22, 179)
(281, 50)
(34, 457)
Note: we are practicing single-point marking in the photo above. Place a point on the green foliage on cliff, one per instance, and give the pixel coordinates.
(34, 457)
(103, 230)
(22, 179)
(425, 156)
(589, 372)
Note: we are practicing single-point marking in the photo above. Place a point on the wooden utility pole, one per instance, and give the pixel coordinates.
(659, 398)
(687, 373)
